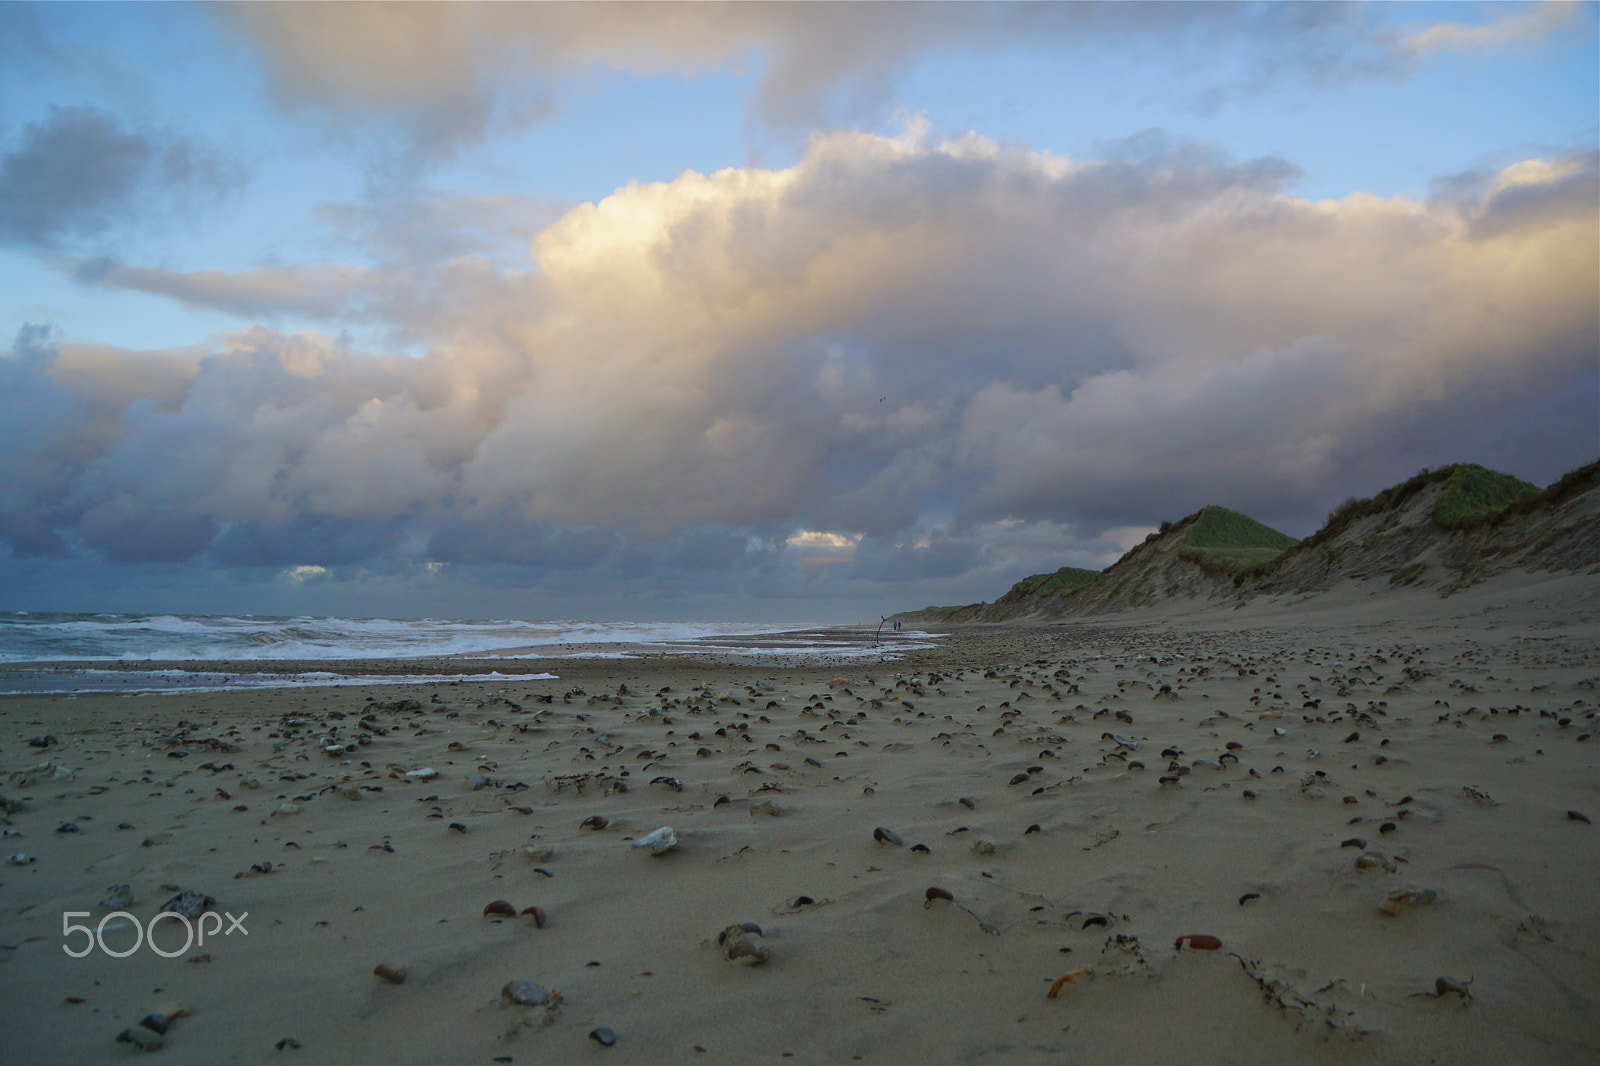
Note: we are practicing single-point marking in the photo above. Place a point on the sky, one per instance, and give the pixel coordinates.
(762, 312)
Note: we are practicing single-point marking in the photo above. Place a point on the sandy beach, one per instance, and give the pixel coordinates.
(1380, 809)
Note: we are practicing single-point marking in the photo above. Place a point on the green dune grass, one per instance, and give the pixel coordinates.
(1473, 494)
(1227, 542)
(1067, 579)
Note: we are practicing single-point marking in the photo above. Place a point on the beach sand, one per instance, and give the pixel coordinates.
(1381, 743)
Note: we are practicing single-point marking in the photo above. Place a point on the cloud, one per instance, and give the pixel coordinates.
(436, 77)
(880, 355)
(1522, 24)
(80, 174)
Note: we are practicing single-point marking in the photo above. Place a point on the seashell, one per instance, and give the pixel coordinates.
(921, 849)
(395, 975)
(594, 821)
(802, 901)
(982, 847)
(1444, 986)
(887, 836)
(499, 907)
(535, 853)
(118, 898)
(1233, 745)
(21, 859)
(766, 807)
(1353, 842)
(742, 942)
(603, 1037)
(1098, 919)
(1247, 897)
(668, 782)
(520, 993)
(1579, 816)
(1197, 941)
(426, 773)
(189, 904)
(142, 1038)
(1210, 763)
(1019, 779)
(659, 842)
(1067, 978)
(1396, 900)
(938, 893)
(537, 914)
(1124, 741)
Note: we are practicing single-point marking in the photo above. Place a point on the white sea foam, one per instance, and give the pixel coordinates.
(141, 682)
(32, 638)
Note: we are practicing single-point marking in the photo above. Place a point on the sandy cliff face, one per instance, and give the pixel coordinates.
(1405, 546)
(1402, 545)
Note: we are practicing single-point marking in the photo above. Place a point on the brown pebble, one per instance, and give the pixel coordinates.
(395, 975)
(1233, 745)
(1198, 941)
(499, 907)
(939, 893)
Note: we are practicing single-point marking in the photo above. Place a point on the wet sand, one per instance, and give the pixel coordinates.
(1085, 793)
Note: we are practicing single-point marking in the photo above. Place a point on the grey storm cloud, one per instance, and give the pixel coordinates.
(846, 367)
(443, 75)
(81, 173)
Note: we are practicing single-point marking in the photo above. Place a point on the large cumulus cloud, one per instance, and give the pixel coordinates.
(911, 346)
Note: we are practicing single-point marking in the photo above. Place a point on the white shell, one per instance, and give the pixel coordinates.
(662, 840)
(424, 774)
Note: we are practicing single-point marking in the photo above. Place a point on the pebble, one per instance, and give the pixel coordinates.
(1198, 942)
(887, 836)
(594, 821)
(521, 993)
(1396, 900)
(603, 1037)
(938, 893)
(658, 842)
(395, 975)
(742, 943)
(189, 904)
(118, 898)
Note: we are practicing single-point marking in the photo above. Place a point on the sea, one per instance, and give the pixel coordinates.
(51, 652)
